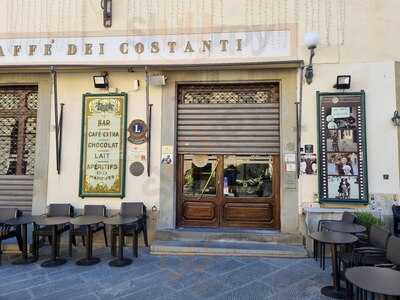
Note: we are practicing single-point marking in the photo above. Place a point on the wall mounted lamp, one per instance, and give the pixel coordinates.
(101, 81)
(396, 118)
(343, 82)
(311, 40)
(106, 5)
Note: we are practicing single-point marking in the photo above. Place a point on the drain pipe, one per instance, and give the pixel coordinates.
(299, 111)
(57, 128)
(148, 121)
(58, 120)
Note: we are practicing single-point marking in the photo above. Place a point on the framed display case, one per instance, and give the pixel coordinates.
(103, 145)
(343, 175)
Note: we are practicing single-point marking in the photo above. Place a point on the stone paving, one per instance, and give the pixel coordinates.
(166, 277)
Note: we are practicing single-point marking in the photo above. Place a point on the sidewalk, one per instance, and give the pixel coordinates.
(165, 277)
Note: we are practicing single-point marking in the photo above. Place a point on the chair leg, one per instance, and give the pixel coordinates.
(315, 250)
(135, 243)
(71, 237)
(113, 243)
(320, 247)
(105, 236)
(146, 241)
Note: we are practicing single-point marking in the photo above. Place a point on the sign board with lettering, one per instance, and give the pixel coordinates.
(171, 49)
(103, 145)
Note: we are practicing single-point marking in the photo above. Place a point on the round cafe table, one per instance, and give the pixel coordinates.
(88, 221)
(53, 222)
(334, 239)
(374, 280)
(120, 221)
(344, 227)
(22, 221)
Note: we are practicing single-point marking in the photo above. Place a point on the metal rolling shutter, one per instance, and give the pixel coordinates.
(16, 191)
(231, 119)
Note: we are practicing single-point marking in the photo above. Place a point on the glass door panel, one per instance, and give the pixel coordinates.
(248, 176)
(199, 175)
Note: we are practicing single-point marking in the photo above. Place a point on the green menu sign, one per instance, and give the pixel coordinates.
(103, 147)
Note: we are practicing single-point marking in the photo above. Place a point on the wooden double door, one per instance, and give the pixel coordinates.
(228, 191)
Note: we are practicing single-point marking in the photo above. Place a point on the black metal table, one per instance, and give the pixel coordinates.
(120, 221)
(22, 221)
(54, 222)
(344, 227)
(88, 221)
(374, 280)
(334, 239)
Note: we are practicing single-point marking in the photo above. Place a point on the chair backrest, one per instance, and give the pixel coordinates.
(60, 210)
(9, 213)
(378, 236)
(133, 209)
(396, 211)
(348, 217)
(393, 250)
(95, 210)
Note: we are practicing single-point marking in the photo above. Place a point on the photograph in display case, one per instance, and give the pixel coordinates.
(343, 164)
(342, 140)
(343, 187)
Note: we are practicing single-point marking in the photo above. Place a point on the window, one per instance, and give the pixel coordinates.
(18, 110)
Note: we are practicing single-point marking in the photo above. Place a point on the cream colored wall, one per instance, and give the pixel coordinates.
(64, 187)
(351, 30)
(378, 81)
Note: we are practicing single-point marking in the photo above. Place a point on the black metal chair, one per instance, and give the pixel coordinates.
(7, 231)
(136, 210)
(54, 210)
(347, 217)
(390, 259)
(88, 210)
(396, 219)
(377, 244)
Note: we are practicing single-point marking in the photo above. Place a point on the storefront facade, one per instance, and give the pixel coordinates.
(220, 142)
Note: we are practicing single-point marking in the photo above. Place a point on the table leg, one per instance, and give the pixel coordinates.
(54, 261)
(89, 259)
(24, 260)
(120, 261)
(121, 244)
(35, 241)
(334, 291)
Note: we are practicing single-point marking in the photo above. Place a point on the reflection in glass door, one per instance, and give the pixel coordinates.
(248, 176)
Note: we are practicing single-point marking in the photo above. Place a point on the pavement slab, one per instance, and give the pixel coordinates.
(165, 277)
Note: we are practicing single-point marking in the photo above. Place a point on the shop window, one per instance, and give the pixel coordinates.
(256, 93)
(18, 111)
